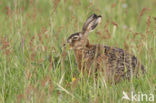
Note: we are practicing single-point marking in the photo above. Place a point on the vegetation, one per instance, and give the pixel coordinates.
(34, 67)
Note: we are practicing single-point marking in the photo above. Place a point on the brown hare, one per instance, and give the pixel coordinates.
(114, 63)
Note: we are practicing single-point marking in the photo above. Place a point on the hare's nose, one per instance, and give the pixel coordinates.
(64, 44)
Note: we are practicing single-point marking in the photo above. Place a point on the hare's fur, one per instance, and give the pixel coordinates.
(115, 63)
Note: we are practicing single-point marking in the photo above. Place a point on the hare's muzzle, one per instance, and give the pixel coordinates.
(67, 46)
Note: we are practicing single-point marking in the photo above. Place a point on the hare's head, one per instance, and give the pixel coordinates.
(79, 40)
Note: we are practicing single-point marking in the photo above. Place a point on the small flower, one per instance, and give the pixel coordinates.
(73, 79)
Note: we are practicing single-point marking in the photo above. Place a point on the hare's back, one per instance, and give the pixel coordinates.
(121, 61)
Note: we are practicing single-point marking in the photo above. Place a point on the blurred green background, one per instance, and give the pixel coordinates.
(34, 68)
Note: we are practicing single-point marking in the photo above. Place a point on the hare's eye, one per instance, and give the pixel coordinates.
(75, 38)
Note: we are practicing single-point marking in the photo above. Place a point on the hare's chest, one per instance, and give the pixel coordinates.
(89, 54)
(89, 57)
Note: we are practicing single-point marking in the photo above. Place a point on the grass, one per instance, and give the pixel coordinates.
(34, 68)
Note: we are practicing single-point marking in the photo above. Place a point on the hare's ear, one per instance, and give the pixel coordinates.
(91, 23)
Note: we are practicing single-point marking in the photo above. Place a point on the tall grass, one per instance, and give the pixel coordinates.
(34, 67)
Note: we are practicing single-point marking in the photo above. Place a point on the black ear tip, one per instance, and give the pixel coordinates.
(100, 16)
(97, 16)
(94, 14)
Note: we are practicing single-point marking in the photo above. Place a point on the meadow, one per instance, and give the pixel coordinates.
(34, 67)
